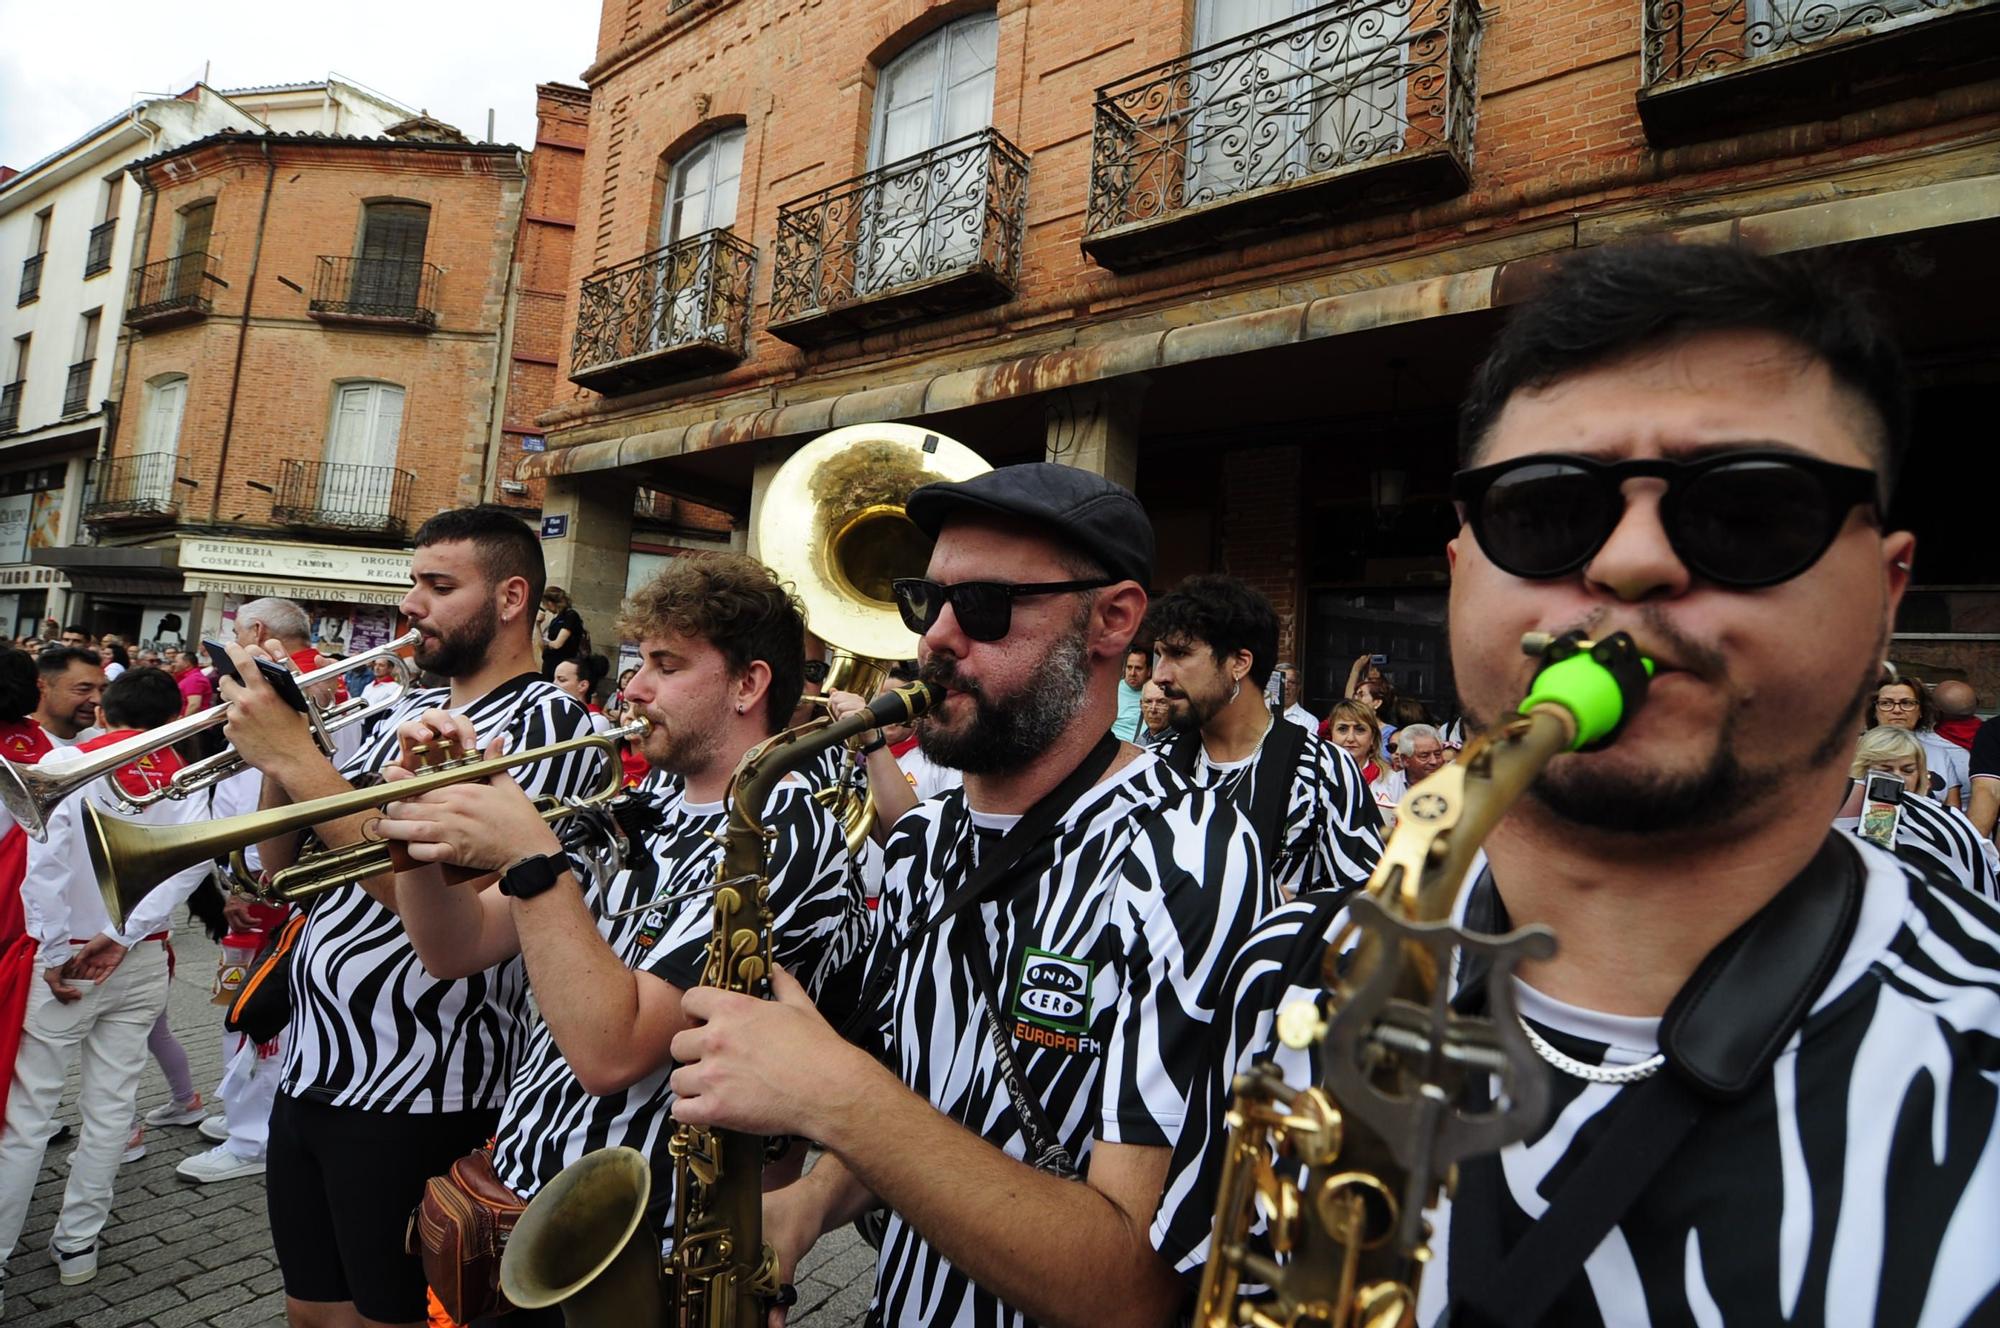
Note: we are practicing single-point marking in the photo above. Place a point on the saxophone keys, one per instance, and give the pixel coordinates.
(1383, 1305)
(1299, 1025)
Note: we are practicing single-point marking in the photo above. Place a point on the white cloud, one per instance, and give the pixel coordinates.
(69, 65)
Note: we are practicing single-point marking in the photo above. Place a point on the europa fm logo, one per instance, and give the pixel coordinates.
(1052, 1001)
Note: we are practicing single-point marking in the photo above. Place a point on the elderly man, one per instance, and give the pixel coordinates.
(1021, 1132)
(1769, 1045)
(1287, 675)
(1956, 704)
(1420, 751)
(1156, 717)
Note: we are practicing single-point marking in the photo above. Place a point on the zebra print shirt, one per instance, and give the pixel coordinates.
(1332, 829)
(370, 1028)
(1859, 1185)
(819, 930)
(1942, 843)
(1107, 964)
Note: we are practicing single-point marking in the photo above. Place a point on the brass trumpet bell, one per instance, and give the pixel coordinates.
(584, 1242)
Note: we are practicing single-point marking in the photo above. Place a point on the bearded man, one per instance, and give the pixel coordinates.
(1052, 935)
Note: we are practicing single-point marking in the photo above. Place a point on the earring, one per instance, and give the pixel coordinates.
(739, 709)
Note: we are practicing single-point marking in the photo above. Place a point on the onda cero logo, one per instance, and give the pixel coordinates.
(1054, 991)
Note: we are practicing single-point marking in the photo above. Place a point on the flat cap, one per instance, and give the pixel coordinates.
(1083, 509)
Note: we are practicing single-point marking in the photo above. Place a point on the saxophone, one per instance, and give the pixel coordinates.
(584, 1241)
(1379, 1134)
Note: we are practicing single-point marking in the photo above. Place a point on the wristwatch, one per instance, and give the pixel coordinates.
(873, 745)
(531, 876)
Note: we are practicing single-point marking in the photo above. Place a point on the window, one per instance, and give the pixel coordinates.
(21, 357)
(701, 197)
(389, 269)
(31, 266)
(938, 90)
(1275, 108)
(151, 481)
(190, 262)
(10, 391)
(76, 393)
(360, 449)
(97, 258)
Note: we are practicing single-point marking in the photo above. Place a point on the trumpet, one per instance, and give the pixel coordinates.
(31, 792)
(131, 858)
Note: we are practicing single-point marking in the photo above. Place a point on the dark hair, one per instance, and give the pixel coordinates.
(1228, 613)
(20, 690)
(1407, 710)
(507, 547)
(55, 660)
(1139, 648)
(77, 629)
(734, 603)
(142, 698)
(118, 655)
(1612, 300)
(594, 668)
(1926, 707)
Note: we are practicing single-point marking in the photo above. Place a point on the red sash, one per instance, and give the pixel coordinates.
(309, 659)
(22, 742)
(148, 774)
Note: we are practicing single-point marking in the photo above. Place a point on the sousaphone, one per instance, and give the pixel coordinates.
(833, 524)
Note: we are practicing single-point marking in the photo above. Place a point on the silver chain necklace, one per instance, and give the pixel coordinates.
(1596, 1074)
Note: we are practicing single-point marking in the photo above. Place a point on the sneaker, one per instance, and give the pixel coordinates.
(215, 1129)
(75, 1269)
(136, 1147)
(218, 1164)
(189, 1112)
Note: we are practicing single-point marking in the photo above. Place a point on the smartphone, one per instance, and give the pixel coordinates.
(1881, 809)
(1378, 660)
(277, 675)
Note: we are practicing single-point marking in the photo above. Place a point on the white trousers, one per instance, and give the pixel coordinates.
(107, 1029)
(249, 1086)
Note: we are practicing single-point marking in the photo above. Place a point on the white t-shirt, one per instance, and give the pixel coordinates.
(927, 778)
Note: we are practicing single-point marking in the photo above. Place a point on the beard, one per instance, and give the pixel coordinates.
(1007, 734)
(462, 649)
(1187, 713)
(1720, 791)
(676, 748)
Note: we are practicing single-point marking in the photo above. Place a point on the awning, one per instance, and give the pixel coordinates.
(340, 592)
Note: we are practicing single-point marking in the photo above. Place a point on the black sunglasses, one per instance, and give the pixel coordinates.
(1737, 519)
(985, 609)
(815, 671)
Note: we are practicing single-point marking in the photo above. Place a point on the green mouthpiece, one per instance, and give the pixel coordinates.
(1600, 683)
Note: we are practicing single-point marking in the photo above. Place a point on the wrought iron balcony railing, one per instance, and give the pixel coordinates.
(339, 495)
(399, 292)
(938, 231)
(76, 391)
(97, 258)
(173, 290)
(10, 405)
(31, 280)
(1358, 102)
(679, 309)
(1713, 66)
(146, 485)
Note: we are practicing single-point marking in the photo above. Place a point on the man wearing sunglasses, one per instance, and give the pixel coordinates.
(1216, 641)
(1052, 936)
(1769, 1046)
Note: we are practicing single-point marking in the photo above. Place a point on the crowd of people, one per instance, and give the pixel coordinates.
(1001, 1030)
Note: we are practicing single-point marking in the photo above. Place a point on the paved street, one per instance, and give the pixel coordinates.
(177, 1255)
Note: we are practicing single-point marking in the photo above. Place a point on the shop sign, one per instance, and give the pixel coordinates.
(555, 527)
(34, 576)
(242, 557)
(15, 511)
(251, 588)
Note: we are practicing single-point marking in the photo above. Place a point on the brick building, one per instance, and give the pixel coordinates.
(1241, 254)
(314, 336)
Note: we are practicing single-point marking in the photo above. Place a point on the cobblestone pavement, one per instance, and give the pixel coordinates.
(179, 1255)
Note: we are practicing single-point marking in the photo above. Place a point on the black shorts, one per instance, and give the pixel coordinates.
(341, 1184)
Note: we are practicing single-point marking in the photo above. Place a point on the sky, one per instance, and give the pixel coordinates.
(67, 66)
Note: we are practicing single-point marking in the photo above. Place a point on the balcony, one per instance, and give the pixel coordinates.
(381, 292)
(145, 487)
(934, 233)
(1360, 105)
(1709, 68)
(173, 290)
(31, 280)
(680, 310)
(10, 405)
(341, 496)
(76, 391)
(97, 257)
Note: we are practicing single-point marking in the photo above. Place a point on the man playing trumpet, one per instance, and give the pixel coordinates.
(391, 1074)
(722, 649)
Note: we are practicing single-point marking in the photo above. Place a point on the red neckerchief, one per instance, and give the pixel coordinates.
(1959, 731)
(899, 749)
(309, 659)
(23, 742)
(148, 774)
